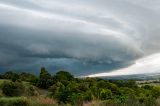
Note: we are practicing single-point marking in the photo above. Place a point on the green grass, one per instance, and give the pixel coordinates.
(2, 80)
(14, 101)
(24, 101)
(42, 101)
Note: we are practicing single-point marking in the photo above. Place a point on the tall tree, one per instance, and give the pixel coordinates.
(45, 79)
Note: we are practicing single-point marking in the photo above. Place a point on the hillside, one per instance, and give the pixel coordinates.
(25, 89)
(150, 76)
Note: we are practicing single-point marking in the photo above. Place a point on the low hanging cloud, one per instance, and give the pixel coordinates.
(84, 37)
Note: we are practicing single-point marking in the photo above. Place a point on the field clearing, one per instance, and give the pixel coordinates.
(148, 82)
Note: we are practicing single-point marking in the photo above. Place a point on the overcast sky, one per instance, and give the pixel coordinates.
(82, 36)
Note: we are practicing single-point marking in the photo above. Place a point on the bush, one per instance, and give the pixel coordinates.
(12, 88)
(105, 94)
(156, 91)
(13, 101)
(31, 91)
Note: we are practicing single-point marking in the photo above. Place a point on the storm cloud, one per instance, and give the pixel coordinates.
(83, 37)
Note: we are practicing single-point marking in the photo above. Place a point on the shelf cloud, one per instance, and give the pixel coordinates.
(83, 37)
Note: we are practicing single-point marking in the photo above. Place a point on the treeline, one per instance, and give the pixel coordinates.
(75, 91)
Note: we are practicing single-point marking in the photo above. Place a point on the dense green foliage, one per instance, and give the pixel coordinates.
(45, 79)
(12, 88)
(66, 89)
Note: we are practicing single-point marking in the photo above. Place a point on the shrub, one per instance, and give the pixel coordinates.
(12, 88)
(31, 91)
(156, 91)
(105, 94)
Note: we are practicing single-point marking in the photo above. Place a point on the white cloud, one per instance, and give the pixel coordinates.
(146, 65)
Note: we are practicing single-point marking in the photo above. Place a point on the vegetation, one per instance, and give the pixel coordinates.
(25, 89)
(12, 88)
(15, 101)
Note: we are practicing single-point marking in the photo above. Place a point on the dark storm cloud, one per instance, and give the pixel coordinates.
(81, 36)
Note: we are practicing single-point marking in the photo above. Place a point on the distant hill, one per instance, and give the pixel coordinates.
(151, 76)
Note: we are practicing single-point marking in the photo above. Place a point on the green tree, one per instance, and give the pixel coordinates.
(11, 75)
(28, 77)
(156, 92)
(63, 75)
(147, 87)
(45, 79)
(59, 92)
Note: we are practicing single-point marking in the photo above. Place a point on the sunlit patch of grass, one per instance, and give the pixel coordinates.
(42, 101)
(2, 80)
